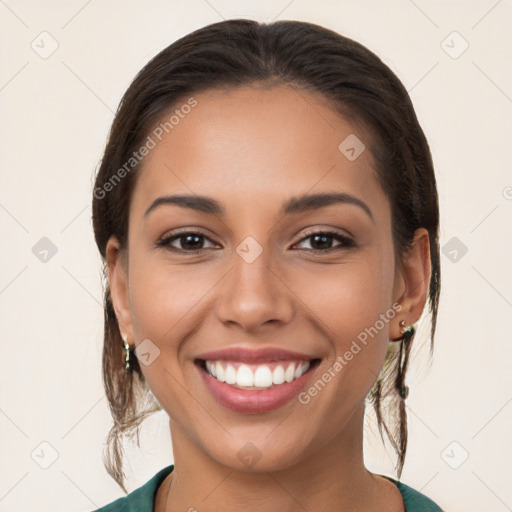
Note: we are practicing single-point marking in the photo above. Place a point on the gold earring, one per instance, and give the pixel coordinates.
(403, 330)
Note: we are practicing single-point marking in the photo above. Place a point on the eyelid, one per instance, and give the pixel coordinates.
(175, 235)
(324, 230)
(346, 240)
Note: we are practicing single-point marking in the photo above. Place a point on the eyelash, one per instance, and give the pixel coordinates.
(346, 241)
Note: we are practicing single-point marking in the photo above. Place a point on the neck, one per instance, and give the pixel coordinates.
(328, 477)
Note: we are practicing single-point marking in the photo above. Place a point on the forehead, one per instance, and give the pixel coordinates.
(255, 147)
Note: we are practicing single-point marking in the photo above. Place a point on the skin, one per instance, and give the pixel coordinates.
(253, 148)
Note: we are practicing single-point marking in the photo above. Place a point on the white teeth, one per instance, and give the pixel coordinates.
(244, 376)
(211, 368)
(230, 374)
(301, 369)
(290, 373)
(278, 375)
(262, 377)
(219, 372)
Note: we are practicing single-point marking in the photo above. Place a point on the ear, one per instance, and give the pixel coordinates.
(117, 265)
(412, 282)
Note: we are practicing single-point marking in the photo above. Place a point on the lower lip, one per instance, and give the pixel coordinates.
(255, 401)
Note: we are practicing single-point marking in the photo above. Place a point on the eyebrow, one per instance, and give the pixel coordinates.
(294, 205)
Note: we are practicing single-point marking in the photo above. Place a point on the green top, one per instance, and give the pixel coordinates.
(143, 498)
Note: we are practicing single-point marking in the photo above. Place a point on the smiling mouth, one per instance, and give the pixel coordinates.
(256, 376)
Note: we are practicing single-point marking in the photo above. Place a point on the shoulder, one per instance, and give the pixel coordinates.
(414, 500)
(142, 498)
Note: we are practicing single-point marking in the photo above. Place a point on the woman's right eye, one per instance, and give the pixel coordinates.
(189, 241)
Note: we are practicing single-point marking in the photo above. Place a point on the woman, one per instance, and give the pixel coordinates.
(267, 212)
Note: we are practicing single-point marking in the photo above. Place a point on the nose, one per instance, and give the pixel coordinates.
(254, 295)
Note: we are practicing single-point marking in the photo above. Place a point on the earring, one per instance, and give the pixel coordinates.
(127, 353)
(403, 330)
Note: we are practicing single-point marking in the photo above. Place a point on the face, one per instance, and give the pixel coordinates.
(244, 273)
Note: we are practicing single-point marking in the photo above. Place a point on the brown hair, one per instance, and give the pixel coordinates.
(244, 52)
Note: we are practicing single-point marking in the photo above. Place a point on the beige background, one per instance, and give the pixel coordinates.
(55, 114)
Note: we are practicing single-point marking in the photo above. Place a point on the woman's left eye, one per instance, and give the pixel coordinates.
(321, 239)
(191, 242)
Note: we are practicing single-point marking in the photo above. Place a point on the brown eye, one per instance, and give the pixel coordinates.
(189, 242)
(322, 241)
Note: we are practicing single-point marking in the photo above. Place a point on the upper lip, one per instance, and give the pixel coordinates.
(248, 355)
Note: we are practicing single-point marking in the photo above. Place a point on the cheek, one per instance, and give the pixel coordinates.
(348, 297)
(350, 303)
(162, 296)
(168, 305)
